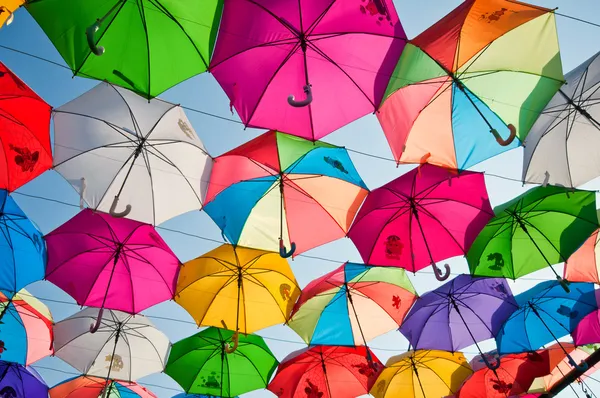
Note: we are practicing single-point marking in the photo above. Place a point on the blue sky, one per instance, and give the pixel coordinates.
(56, 85)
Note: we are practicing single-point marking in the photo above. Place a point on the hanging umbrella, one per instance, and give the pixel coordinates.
(204, 363)
(422, 374)
(465, 88)
(24, 130)
(17, 381)
(124, 347)
(184, 395)
(22, 247)
(108, 262)
(587, 330)
(561, 147)
(271, 192)
(95, 387)
(238, 288)
(326, 372)
(266, 51)
(352, 305)
(537, 229)
(422, 217)
(150, 46)
(582, 266)
(460, 313)
(7, 10)
(25, 329)
(112, 145)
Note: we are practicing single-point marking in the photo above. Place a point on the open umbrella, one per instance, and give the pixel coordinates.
(17, 381)
(95, 387)
(352, 305)
(587, 330)
(7, 10)
(24, 131)
(150, 46)
(266, 51)
(583, 265)
(424, 216)
(112, 145)
(271, 192)
(561, 148)
(465, 88)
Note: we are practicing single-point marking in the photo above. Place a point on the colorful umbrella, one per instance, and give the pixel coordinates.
(326, 372)
(266, 51)
(95, 387)
(24, 131)
(424, 216)
(561, 148)
(124, 347)
(489, 66)
(22, 248)
(352, 305)
(460, 313)
(537, 229)
(7, 10)
(587, 330)
(240, 288)
(422, 374)
(203, 363)
(111, 144)
(108, 262)
(25, 329)
(150, 46)
(583, 265)
(271, 192)
(184, 395)
(16, 381)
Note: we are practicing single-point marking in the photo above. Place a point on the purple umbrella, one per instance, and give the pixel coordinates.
(17, 381)
(460, 313)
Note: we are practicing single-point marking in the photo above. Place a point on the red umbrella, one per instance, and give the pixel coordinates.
(24, 132)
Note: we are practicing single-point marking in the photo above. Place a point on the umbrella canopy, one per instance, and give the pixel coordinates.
(587, 330)
(124, 347)
(112, 145)
(25, 329)
(24, 130)
(422, 374)
(537, 229)
(96, 387)
(326, 372)
(352, 305)
(273, 190)
(150, 47)
(19, 381)
(266, 51)
(424, 216)
(203, 363)
(7, 9)
(561, 147)
(244, 289)
(476, 79)
(583, 265)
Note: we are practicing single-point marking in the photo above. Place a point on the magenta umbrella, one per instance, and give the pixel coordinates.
(114, 263)
(588, 330)
(340, 53)
(424, 216)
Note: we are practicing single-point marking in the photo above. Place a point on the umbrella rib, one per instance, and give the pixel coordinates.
(318, 19)
(274, 43)
(428, 213)
(226, 284)
(443, 200)
(238, 352)
(146, 160)
(155, 269)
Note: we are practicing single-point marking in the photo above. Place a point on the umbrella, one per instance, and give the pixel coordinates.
(537, 229)
(22, 247)
(108, 262)
(582, 266)
(489, 66)
(18, 381)
(422, 374)
(150, 46)
(460, 313)
(245, 289)
(326, 372)
(266, 51)
(203, 363)
(95, 387)
(352, 305)
(124, 347)
(271, 192)
(111, 144)
(561, 147)
(587, 330)
(422, 217)
(184, 395)
(7, 10)
(24, 130)
(25, 329)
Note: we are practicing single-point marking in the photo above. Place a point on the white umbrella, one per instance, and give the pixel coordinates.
(130, 156)
(125, 347)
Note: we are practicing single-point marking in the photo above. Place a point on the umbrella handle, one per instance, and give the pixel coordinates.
(113, 208)
(11, 16)
(94, 327)
(582, 367)
(230, 349)
(423, 160)
(439, 274)
(489, 365)
(299, 104)
(89, 33)
(509, 140)
(283, 251)
(564, 283)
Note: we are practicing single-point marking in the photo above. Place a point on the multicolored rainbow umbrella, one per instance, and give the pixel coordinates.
(96, 387)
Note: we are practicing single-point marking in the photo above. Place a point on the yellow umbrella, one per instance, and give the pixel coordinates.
(422, 374)
(7, 7)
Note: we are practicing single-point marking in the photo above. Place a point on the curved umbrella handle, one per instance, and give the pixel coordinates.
(230, 349)
(283, 251)
(113, 209)
(439, 274)
(89, 33)
(11, 16)
(94, 327)
(564, 283)
(299, 104)
(582, 367)
(509, 140)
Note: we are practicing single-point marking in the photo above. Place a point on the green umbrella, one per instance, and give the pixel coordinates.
(147, 46)
(542, 227)
(205, 364)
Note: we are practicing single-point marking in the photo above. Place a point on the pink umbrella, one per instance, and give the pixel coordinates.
(426, 215)
(588, 329)
(108, 262)
(269, 49)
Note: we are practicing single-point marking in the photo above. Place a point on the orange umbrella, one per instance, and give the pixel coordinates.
(583, 265)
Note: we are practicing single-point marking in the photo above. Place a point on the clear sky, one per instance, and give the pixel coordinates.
(56, 85)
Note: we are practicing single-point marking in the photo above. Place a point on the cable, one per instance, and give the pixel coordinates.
(577, 19)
